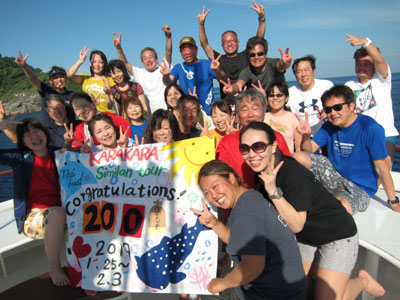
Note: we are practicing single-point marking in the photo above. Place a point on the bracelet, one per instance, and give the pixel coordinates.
(367, 43)
(261, 20)
(396, 201)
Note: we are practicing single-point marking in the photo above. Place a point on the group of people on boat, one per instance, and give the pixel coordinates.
(292, 164)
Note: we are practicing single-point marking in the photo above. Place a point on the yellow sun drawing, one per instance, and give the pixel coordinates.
(192, 154)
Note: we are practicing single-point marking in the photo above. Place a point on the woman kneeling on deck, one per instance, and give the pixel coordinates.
(37, 191)
(326, 233)
(267, 259)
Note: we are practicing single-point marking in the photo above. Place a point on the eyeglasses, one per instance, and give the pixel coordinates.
(336, 107)
(254, 54)
(279, 95)
(229, 41)
(257, 147)
(54, 108)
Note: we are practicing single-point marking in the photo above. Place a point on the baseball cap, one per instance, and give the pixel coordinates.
(187, 40)
(57, 70)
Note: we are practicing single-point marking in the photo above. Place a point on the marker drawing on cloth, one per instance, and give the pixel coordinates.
(130, 227)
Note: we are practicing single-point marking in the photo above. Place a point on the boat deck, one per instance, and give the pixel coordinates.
(379, 248)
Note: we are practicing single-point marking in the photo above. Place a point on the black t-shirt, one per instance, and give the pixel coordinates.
(232, 66)
(327, 220)
(270, 75)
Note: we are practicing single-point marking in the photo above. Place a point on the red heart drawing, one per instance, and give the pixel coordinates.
(79, 248)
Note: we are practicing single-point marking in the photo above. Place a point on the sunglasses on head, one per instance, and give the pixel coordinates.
(256, 54)
(336, 107)
(257, 147)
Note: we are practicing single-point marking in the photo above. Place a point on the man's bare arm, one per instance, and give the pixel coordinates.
(259, 9)
(21, 62)
(202, 33)
(379, 62)
(168, 43)
(382, 169)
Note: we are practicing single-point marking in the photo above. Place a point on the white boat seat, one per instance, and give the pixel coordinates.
(11, 242)
(377, 229)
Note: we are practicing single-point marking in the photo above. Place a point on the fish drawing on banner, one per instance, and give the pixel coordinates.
(73, 175)
(158, 267)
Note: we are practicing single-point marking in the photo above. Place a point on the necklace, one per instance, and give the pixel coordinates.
(189, 75)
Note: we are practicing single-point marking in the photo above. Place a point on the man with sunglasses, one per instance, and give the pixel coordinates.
(232, 62)
(372, 89)
(262, 70)
(356, 152)
(250, 107)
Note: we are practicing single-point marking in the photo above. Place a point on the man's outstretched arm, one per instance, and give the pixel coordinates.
(379, 62)
(202, 33)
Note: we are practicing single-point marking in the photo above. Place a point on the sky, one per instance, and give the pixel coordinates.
(53, 32)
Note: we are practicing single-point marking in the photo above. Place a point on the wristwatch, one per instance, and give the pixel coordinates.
(391, 202)
(367, 43)
(278, 194)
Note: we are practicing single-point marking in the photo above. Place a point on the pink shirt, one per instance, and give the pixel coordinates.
(285, 124)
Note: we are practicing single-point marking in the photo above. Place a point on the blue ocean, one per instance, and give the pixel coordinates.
(6, 185)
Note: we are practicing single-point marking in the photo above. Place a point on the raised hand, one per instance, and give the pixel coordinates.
(95, 98)
(2, 112)
(85, 147)
(106, 87)
(321, 114)
(83, 53)
(21, 60)
(259, 88)
(286, 57)
(304, 127)
(268, 176)
(136, 143)
(7, 124)
(167, 30)
(355, 40)
(228, 88)
(205, 217)
(215, 62)
(69, 134)
(230, 124)
(202, 16)
(259, 9)
(123, 139)
(204, 130)
(193, 93)
(117, 40)
(164, 68)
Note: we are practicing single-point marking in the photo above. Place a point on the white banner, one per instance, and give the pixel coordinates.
(129, 223)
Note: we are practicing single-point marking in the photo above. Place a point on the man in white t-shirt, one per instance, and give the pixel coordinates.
(150, 77)
(372, 89)
(305, 96)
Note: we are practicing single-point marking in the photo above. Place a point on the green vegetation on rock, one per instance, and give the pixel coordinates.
(16, 91)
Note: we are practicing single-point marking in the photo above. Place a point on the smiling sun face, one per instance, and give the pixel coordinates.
(191, 154)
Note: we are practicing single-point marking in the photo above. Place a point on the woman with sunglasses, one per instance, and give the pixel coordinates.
(93, 84)
(279, 116)
(326, 233)
(264, 251)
